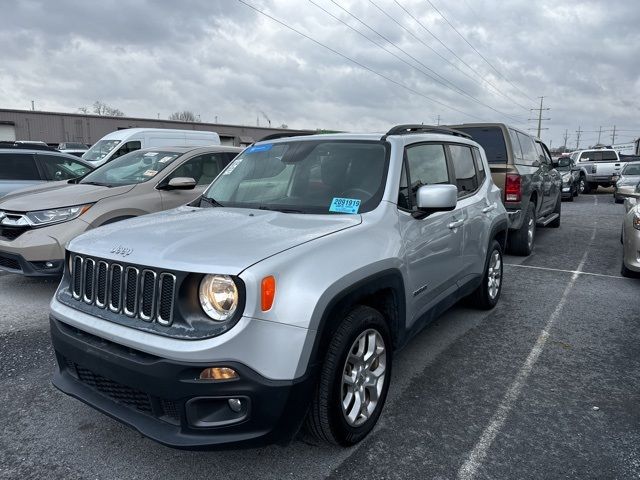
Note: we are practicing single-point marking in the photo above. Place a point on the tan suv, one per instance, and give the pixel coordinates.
(36, 223)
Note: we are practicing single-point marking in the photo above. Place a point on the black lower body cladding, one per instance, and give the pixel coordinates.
(164, 401)
(18, 264)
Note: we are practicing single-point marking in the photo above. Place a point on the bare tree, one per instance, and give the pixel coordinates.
(101, 108)
(185, 116)
(84, 110)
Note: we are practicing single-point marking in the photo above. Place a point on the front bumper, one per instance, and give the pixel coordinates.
(29, 252)
(567, 190)
(18, 264)
(162, 399)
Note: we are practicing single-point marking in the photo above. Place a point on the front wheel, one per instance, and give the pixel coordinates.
(583, 185)
(354, 379)
(487, 294)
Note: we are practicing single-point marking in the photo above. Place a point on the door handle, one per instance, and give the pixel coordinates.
(490, 208)
(456, 224)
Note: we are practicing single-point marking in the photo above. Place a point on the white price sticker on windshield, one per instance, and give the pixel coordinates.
(166, 159)
(233, 166)
(151, 154)
(150, 173)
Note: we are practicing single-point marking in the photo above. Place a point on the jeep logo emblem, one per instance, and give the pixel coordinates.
(120, 250)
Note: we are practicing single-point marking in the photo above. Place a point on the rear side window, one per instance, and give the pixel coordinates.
(18, 166)
(529, 154)
(609, 156)
(515, 143)
(463, 164)
(479, 166)
(491, 139)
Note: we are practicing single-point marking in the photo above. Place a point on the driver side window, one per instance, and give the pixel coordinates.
(426, 165)
(61, 168)
(127, 148)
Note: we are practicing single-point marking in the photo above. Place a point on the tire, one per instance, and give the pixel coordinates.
(618, 200)
(576, 189)
(520, 241)
(327, 422)
(583, 185)
(486, 296)
(558, 210)
(625, 272)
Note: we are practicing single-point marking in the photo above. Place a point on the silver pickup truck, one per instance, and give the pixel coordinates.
(597, 166)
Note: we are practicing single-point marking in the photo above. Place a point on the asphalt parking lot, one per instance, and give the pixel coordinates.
(544, 386)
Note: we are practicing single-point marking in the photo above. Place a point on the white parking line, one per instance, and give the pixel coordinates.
(470, 467)
(564, 271)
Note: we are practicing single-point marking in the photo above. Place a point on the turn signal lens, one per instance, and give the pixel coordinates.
(218, 373)
(636, 221)
(268, 292)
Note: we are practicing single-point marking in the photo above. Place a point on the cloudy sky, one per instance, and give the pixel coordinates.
(383, 62)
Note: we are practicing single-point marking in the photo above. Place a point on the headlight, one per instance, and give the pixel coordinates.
(566, 177)
(56, 215)
(218, 297)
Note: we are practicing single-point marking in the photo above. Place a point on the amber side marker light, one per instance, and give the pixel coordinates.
(268, 292)
(218, 373)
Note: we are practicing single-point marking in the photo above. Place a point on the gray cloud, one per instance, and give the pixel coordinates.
(220, 58)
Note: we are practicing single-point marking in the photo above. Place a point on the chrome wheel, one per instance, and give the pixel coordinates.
(494, 275)
(581, 186)
(531, 230)
(363, 377)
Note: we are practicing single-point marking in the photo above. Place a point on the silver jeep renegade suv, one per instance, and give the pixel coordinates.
(277, 299)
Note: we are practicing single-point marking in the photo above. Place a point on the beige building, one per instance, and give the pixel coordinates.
(56, 127)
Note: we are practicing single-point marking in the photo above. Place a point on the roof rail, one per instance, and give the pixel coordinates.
(275, 136)
(409, 129)
(26, 146)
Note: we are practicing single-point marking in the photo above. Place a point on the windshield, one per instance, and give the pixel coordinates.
(100, 149)
(132, 168)
(564, 164)
(632, 169)
(304, 177)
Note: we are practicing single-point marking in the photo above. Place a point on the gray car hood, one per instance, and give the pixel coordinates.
(57, 195)
(209, 240)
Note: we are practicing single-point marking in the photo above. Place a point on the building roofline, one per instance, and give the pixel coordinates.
(177, 122)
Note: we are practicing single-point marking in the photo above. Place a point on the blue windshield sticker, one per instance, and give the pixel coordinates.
(260, 148)
(345, 205)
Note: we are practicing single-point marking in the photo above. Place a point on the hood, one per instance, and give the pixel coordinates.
(57, 195)
(210, 240)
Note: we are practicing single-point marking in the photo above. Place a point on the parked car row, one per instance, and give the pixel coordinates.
(276, 293)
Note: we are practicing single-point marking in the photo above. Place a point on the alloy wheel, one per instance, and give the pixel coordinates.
(363, 377)
(494, 275)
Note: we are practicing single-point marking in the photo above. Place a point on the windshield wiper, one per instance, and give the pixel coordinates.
(283, 210)
(211, 201)
(97, 184)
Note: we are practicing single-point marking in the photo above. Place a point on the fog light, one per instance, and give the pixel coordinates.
(235, 404)
(48, 264)
(218, 373)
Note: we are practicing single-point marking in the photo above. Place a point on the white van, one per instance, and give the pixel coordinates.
(116, 144)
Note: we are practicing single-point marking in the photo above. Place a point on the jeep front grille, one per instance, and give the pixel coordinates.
(144, 294)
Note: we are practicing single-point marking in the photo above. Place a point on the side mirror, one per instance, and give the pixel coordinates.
(555, 163)
(435, 198)
(181, 183)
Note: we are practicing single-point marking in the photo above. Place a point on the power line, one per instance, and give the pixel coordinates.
(449, 84)
(477, 51)
(355, 62)
(456, 56)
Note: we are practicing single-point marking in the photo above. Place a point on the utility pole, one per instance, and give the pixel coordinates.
(33, 106)
(566, 137)
(599, 133)
(613, 136)
(438, 119)
(540, 119)
(578, 133)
